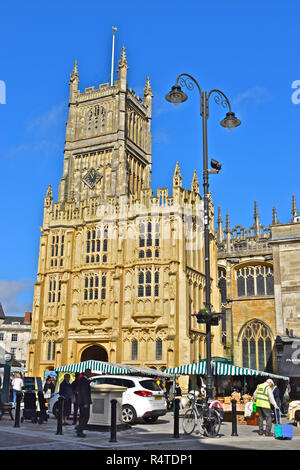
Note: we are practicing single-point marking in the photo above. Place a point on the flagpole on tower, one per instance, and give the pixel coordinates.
(113, 56)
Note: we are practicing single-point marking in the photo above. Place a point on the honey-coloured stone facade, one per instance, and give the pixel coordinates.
(120, 270)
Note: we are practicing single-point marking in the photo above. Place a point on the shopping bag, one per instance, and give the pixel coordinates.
(283, 431)
(254, 408)
(287, 431)
(278, 431)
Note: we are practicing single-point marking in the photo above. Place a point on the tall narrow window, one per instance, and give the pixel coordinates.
(222, 286)
(241, 283)
(53, 350)
(49, 351)
(142, 236)
(134, 350)
(156, 284)
(158, 349)
(54, 292)
(148, 284)
(57, 250)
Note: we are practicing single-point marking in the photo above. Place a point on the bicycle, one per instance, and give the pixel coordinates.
(207, 417)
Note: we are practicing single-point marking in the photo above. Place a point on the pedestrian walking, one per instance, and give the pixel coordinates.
(276, 395)
(264, 397)
(285, 399)
(17, 385)
(65, 390)
(78, 376)
(178, 394)
(84, 402)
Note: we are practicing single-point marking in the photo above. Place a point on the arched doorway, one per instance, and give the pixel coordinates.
(94, 353)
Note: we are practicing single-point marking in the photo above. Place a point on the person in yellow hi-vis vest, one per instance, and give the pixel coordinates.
(264, 397)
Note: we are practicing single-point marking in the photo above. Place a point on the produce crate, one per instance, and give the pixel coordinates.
(241, 419)
(253, 419)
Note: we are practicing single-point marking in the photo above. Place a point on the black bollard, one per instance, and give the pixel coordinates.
(60, 415)
(113, 421)
(18, 408)
(234, 418)
(176, 418)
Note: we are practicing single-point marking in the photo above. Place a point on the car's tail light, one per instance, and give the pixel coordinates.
(143, 393)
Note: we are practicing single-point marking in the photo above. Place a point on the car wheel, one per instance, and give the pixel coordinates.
(55, 410)
(150, 419)
(128, 414)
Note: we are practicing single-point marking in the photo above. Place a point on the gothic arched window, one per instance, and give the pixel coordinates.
(256, 345)
(255, 281)
(148, 239)
(222, 285)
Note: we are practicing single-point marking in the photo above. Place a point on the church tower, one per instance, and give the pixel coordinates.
(120, 270)
(108, 141)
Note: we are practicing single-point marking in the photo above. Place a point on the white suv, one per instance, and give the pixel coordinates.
(143, 398)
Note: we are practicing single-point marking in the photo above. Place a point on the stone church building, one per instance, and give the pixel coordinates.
(259, 280)
(120, 270)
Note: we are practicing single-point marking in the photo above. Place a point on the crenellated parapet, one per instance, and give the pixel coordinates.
(240, 240)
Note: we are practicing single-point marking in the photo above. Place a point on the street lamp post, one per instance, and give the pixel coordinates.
(177, 96)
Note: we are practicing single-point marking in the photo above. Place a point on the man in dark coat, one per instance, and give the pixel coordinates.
(276, 394)
(84, 402)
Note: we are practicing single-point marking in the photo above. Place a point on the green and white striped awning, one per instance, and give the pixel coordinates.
(95, 366)
(218, 368)
(111, 368)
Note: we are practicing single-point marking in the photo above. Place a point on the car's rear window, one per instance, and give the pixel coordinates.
(150, 385)
(114, 381)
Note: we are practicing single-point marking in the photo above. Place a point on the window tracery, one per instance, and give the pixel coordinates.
(96, 245)
(256, 345)
(57, 249)
(255, 281)
(149, 240)
(94, 285)
(148, 283)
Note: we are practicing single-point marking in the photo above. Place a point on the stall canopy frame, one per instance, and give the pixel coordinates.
(112, 368)
(219, 368)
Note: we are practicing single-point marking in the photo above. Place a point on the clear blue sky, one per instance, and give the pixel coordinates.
(250, 50)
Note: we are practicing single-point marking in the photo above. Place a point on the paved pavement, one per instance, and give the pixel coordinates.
(158, 436)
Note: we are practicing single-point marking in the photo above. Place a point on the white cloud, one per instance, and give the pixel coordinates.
(160, 137)
(256, 95)
(10, 291)
(47, 119)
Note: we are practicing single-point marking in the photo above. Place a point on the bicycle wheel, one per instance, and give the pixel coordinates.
(189, 421)
(211, 423)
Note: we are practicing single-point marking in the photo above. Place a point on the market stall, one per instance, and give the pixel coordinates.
(230, 382)
(99, 367)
